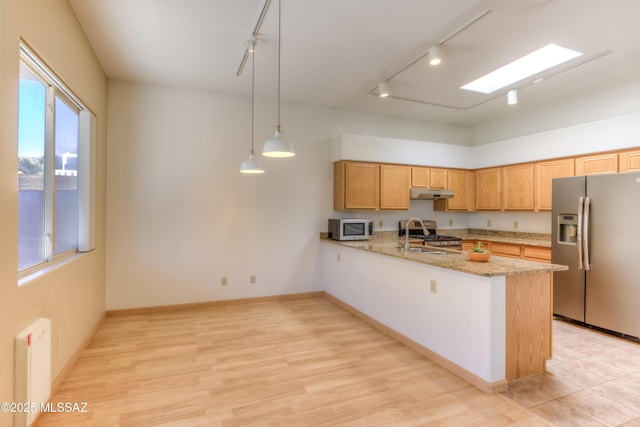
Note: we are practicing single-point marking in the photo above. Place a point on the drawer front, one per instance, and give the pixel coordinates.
(536, 253)
(505, 249)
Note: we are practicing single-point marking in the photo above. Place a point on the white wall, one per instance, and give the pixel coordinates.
(181, 215)
(72, 295)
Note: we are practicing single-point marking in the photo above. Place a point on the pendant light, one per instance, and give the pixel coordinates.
(276, 146)
(252, 165)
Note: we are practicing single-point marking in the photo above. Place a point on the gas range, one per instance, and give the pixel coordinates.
(433, 238)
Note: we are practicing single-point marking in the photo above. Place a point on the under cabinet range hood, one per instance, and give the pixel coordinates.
(430, 194)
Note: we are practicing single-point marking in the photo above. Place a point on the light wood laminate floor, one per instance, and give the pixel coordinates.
(295, 362)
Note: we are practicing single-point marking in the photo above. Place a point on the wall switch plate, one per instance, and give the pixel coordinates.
(434, 287)
(515, 225)
(252, 278)
(224, 281)
(488, 223)
(380, 223)
(338, 258)
(450, 222)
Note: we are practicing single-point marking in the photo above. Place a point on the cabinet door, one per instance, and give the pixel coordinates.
(536, 253)
(395, 182)
(438, 178)
(545, 173)
(505, 249)
(461, 183)
(519, 183)
(489, 189)
(629, 161)
(420, 177)
(359, 185)
(601, 163)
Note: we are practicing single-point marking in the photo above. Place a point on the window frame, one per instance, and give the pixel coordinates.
(56, 89)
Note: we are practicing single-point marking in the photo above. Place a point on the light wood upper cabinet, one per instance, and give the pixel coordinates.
(370, 186)
(395, 182)
(438, 178)
(629, 161)
(424, 177)
(489, 189)
(597, 164)
(545, 173)
(462, 183)
(356, 185)
(519, 183)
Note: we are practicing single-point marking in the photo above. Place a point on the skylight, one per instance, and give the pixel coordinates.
(533, 63)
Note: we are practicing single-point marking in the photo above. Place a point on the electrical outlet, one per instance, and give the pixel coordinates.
(380, 223)
(58, 340)
(338, 257)
(450, 222)
(488, 223)
(224, 281)
(515, 225)
(252, 278)
(434, 287)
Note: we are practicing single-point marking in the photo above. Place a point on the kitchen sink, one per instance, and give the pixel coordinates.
(427, 251)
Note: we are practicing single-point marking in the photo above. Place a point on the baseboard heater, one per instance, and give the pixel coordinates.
(32, 370)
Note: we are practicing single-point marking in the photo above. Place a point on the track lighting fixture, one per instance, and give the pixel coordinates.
(252, 165)
(276, 146)
(435, 57)
(383, 89)
(249, 44)
(512, 97)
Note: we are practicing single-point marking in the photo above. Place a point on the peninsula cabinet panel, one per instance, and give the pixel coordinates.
(536, 253)
(356, 185)
(462, 183)
(597, 164)
(489, 189)
(519, 184)
(395, 182)
(629, 161)
(505, 249)
(545, 173)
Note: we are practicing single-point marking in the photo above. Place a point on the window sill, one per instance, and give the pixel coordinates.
(36, 272)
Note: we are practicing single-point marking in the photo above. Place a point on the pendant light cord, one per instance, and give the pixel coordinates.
(279, 33)
(253, 78)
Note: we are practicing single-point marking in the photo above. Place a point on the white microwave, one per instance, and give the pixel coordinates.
(351, 229)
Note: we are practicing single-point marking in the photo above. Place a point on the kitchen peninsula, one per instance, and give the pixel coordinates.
(488, 322)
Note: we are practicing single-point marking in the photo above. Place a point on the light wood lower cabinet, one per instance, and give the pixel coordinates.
(512, 250)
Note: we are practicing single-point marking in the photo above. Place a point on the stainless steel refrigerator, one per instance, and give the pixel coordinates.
(596, 232)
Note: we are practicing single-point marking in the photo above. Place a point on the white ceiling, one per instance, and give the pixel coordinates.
(334, 52)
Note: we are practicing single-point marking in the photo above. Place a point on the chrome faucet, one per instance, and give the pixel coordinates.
(406, 233)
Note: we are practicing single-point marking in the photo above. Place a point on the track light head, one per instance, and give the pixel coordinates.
(435, 56)
(512, 97)
(383, 89)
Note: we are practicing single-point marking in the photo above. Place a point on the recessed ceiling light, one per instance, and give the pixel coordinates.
(533, 63)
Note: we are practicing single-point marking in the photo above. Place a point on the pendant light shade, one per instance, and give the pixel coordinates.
(276, 146)
(252, 165)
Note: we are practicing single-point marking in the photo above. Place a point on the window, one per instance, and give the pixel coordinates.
(56, 146)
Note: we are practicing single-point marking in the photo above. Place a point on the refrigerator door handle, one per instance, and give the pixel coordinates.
(585, 237)
(579, 232)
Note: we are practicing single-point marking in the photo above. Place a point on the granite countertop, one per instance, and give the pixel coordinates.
(452, 259)
(517, 238)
